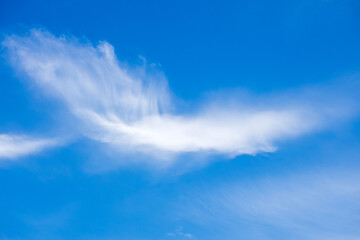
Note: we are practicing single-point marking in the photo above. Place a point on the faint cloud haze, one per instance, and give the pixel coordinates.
(311, 205)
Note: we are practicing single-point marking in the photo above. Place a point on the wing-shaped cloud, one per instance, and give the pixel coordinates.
(131, 109)
(13, 146)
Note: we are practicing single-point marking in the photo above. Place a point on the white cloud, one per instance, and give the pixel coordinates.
(131, 109)
(14, 146)
(179, 234)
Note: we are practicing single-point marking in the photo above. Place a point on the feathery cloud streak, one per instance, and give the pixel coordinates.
(130, 109)
(13, 146)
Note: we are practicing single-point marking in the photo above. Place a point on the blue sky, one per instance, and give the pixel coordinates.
(180, 120)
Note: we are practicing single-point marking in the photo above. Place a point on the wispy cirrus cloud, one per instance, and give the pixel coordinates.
(310, 205)
(14, 146)
(131, 109)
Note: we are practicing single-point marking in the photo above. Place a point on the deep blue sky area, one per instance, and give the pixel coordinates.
(295, 175)
(260, 45)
